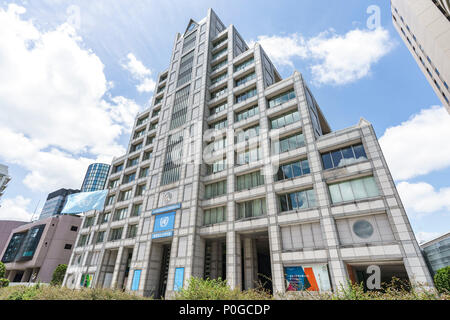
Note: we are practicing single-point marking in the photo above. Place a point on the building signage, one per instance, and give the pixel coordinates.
(164, 224)
(136, 280)
(179, 279)
(307, 278)
(168, 208)
(166, 234)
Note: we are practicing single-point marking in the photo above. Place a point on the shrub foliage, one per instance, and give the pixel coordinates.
(58, 275)
(442, 280)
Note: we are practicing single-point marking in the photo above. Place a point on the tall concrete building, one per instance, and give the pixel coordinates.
(424, 26)
(235, 173)
(55, 203)
(96, 176)
(4, 179)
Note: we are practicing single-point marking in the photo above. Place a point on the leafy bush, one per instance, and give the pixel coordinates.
(217, 289)
(4, 283)
(442, 280)
(2, 270)
(58, 275)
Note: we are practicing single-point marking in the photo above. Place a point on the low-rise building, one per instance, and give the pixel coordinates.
(35, 250)
(437, 252)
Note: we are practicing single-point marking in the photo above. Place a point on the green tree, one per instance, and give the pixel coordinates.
(58, 275)
(3, 282)
(442, 280)
(2, 270)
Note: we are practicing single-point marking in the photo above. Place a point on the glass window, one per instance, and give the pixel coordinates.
(297, 200)
(363, 229)
(346, 191)
(337, 157)
(371, 187)
(276, 101)
(360, 153)
(348, 153)
(358, 189)
(327, 162)
(353, 190)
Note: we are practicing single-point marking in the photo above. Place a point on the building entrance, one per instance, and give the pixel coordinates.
(256, 264)
(165, 261)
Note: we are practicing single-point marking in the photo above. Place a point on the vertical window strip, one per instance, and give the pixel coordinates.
(172, 163)
(180, 108)
(186, 66)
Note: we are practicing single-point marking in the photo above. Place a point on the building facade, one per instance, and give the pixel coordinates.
(35, 250)
(437, 252)
(55, 203)
(5, 231)
(96, 176)
(424, 26)
(4, 179)
(235, 173)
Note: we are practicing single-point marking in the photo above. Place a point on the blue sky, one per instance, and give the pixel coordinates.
(97, 60)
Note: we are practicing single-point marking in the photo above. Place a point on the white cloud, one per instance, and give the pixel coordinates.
(140, 73)
(56, 113)
(283, 49)
(418, 146)
(335, 59)
(345, 59)
(426, 236)
(422, 198)
(15, 209)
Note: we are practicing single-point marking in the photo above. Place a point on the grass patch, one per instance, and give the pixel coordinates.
(44, 292)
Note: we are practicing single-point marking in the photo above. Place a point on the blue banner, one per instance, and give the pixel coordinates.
(85, 201)
(179, 279)
(168, 208)
(164, 222)
(136, 280)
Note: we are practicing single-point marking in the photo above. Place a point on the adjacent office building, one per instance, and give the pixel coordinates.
(96, 176)
(35, 250)
(234, 172)
(424, 26)
(4, 179)
(55, 203)
(437, 252)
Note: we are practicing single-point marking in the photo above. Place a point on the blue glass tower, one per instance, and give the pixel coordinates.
(95, 178)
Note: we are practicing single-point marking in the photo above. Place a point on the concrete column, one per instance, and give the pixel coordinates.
(27, 275)
(117, 265)
(249, 266)
(234, 272)
(11, 275)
